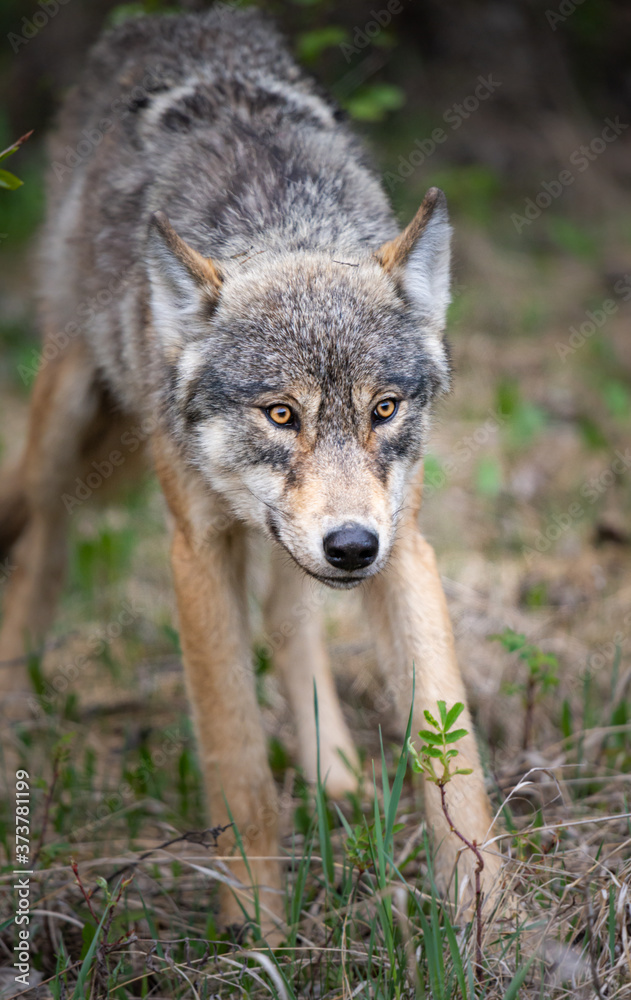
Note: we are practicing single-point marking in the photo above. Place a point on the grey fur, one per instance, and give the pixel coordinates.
(214, 125)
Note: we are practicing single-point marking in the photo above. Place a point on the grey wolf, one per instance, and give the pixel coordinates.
(284, 342)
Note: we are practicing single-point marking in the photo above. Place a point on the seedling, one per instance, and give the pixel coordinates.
(7, 179)
(437, 751)
(100, 946)
(542, 675)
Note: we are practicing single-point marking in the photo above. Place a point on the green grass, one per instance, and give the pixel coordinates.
(362, 911)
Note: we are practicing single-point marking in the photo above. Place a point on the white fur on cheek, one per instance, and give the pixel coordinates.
(247, 491)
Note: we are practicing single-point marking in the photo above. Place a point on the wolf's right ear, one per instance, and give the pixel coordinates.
(185, 286)
(418, 259)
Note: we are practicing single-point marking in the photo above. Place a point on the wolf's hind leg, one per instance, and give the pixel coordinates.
(294, 628)
(69, 419)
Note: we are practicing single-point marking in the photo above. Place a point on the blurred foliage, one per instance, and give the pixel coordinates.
(525, 418)
(372, 103)
(311, 44)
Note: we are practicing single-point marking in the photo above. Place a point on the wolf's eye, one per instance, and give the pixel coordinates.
(281, 415)
(384, 410)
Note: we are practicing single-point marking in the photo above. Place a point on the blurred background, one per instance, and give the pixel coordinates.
(521, 112)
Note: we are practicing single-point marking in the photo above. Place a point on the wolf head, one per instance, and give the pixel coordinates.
(303, 382)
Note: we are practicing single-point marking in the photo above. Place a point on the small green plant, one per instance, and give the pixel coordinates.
(541, 677)
(437, 745)
(437, 750)
(100, 948)
(7, 179)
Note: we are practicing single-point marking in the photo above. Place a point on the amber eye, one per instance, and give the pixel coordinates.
(385, 409)
(280, 414)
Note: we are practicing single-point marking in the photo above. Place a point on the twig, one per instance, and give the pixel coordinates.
(531, 688)
(86, 895)
(590, 939)
(192, 836)
(47, 804)
(16, 145)
(472, 845)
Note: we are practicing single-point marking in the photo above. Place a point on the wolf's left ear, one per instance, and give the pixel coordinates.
(418, 258)
(185, 286)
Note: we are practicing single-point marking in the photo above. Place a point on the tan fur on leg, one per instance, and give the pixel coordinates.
(408, 606)
(209, 569)
(294, 626)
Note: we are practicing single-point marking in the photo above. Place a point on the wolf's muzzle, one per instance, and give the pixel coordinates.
(351, 547)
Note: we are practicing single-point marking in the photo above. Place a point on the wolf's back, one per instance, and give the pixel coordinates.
(208, 119)
(149, 57)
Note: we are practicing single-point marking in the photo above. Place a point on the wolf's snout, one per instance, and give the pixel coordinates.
(351, 547)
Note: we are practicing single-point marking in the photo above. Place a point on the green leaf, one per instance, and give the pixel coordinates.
(456, 957)
(442, 708)
(397, 784)
(430, 718)
(80, 988)
(433, 738)
(9, 181)
(453, 714)
(515, 984)
(457, 734)
(511, 640)
(13, 148)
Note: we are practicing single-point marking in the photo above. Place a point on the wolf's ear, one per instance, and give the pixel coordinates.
(185, 286)
(418, 258)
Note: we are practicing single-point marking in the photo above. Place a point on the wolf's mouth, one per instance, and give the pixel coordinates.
(336, 582)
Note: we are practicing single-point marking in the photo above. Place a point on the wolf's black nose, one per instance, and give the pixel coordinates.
(351, 547)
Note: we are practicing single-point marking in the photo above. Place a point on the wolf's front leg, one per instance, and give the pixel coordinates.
(208, 561)
(408, 608)
(294, 631)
